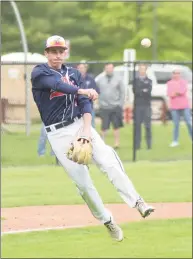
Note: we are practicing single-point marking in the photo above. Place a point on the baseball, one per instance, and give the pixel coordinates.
(146, 43)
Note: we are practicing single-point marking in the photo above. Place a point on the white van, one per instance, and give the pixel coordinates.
(159, 74)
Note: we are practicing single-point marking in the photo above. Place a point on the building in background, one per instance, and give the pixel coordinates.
(13, 86)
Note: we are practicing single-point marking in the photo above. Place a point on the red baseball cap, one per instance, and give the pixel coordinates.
(55, 41)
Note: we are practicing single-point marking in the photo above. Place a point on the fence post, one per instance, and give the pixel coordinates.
(134, 115)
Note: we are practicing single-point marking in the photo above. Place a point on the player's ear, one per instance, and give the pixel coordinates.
(46, 53)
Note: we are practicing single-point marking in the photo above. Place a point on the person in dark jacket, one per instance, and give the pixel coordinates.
(142, 88)
(89, 83)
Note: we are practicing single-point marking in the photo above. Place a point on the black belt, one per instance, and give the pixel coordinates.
(62, 124)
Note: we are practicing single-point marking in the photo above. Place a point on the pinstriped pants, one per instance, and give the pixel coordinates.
(104, 157)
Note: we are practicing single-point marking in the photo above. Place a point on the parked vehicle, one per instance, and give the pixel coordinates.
(159, 74)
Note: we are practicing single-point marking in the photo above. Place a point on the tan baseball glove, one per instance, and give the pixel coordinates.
(80, 151)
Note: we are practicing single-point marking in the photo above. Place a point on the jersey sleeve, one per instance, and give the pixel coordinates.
(41, 80)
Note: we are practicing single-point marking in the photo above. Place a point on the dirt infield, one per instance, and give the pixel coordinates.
(37, 218)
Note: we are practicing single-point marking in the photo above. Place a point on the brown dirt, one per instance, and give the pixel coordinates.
(70, 216)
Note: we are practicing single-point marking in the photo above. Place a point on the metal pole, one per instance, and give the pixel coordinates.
(129, 56)
(26, 77)
(134, 115)
(125, 74)
(155, 28)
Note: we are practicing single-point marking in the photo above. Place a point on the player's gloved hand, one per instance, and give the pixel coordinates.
(81, 150)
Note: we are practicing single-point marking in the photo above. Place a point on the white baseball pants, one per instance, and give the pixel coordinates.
(104, 157)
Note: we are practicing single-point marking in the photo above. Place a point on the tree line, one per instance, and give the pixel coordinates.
(101, 30)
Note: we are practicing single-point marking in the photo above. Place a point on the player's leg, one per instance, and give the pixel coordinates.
(188, 120)
(109, 162)
(81, 177)
(60, 141)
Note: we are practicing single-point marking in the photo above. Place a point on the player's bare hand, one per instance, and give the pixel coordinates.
(91, 93)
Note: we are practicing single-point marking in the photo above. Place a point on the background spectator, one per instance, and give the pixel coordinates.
(142, 88)
(178, 103)
(42, 142)
(90, 83)
(111, 101)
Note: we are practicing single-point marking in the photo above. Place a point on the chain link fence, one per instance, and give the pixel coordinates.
(21, 123)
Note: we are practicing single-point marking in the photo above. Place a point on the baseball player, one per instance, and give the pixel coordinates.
(65, 108)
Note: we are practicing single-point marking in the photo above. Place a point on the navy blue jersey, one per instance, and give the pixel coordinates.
(55, 93)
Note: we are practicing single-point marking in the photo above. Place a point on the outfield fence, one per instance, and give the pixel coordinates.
(20, 119)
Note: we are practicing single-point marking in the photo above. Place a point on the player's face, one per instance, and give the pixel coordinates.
(55, 56)
(82, 68)
(109, 68)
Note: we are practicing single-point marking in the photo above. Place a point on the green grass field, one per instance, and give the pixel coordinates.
(29, 180)
(17, 149)
(155, 181)
(149, 239)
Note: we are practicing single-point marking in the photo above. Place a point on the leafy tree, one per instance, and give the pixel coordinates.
(117, 29)
(102, 30)
(69, 19)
